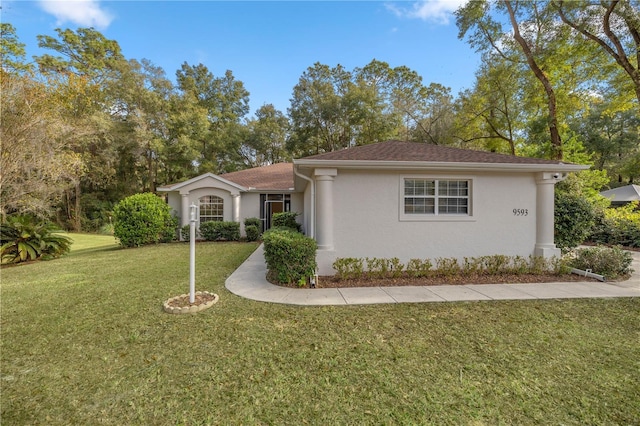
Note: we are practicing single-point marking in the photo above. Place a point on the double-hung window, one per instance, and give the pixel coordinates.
(436, 197)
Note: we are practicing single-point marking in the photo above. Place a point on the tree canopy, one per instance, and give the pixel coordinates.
(83, 127)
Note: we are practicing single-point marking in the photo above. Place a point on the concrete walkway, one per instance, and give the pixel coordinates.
(249, 281)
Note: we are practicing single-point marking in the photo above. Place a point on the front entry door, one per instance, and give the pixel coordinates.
(273, 203)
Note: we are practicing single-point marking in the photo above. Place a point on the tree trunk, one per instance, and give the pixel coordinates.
(556, 141)
(77, 223)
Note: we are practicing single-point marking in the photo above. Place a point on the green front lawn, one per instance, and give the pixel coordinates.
(85, 341)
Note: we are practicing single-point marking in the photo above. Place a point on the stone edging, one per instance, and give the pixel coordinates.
(189, 309)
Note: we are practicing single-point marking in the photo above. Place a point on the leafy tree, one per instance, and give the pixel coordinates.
(87, 66)
(490, 115)
(226, 101)
(319, 114)
(36, 165)
(533, 35)
(85, 52)
(12, 51)
(267, 137)
(614, 25)
(612, 136)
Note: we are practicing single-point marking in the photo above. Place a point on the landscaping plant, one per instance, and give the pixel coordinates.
(618, 226)
(290, 256)
(220, 231)
(574, 219)
(611, 262)
(286, 220)
(143, 219)
(24, 238)
(252, 228)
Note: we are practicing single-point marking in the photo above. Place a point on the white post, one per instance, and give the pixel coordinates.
(192, 253)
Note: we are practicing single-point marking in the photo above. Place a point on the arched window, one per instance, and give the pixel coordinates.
(211, 209)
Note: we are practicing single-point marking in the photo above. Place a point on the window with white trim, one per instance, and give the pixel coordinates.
(211, 209)
(436, 196)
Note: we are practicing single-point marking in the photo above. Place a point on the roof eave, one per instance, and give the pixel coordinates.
(441, 165)
(178, 186)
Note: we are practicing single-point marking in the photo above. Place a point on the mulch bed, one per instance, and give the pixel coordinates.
(334, 282)
(183, 300)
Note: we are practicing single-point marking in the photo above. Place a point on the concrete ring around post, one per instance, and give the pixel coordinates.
(180, 304)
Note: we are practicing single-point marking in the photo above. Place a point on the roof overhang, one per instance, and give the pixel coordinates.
(441, 166)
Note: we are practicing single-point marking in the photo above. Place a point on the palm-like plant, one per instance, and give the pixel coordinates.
(24, 238)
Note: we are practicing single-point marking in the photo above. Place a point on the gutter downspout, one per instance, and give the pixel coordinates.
(312, 214)
(588, 273)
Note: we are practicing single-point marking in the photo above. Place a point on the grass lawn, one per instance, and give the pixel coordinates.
(85, 341)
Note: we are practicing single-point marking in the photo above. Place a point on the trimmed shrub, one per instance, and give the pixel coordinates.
(447, 267)
(143, 219)
(419, 268)
(24, 238)
(349, 267)
(290, 256)
(285, 219)
(496, 264)
(378, 267)
(574, 218)
(185, 233)
(609, 262)
(253, 221)
(252, 227)
(252, 232)
(220, 231)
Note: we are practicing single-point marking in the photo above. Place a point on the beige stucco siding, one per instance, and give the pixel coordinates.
(369, 220)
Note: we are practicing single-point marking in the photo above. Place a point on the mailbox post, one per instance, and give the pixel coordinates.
(192, 252)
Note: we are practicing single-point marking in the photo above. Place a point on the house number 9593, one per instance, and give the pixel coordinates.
(521, 212)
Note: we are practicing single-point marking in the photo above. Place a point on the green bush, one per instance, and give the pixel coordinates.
(24, 238)
(290, 256)
(220, 231)
(143, 219)
(253, 221)
(170, 228)
(349, 267)
(419, 268)
(447, 267)
(574, 219)
(610, 262)
(252, 232)
(285, 219)
(378, 267)
(252, 227)
(185, 232)
(618, 226)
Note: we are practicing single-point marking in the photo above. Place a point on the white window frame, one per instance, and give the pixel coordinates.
(212, 200)
(436, 215)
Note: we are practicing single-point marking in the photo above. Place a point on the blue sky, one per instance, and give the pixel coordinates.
(267, 45)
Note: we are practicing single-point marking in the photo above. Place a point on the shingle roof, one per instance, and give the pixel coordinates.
(278, 177)
(416, 151)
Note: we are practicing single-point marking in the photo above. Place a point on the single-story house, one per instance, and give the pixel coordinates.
(622, 195)
(394, 199)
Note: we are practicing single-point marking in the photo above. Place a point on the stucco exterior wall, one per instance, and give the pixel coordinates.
(369, 218)
(249, 203)
(174, 200)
